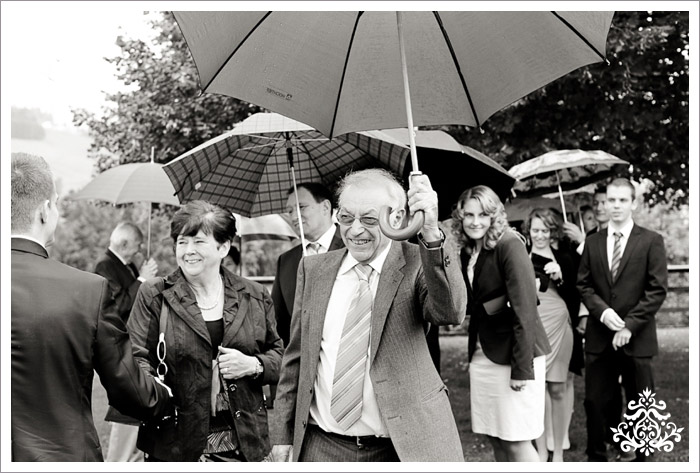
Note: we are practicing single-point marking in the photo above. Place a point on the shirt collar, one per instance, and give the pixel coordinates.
(625, 229)
(377, 263)
(325, 239)
(118, 256)
(27, 237)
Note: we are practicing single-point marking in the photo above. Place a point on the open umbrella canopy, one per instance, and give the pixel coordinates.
(519, 209)
(341, 71)
(247, 169)
(127, 183)
(573, 169)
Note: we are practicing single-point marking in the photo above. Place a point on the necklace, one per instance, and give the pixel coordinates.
(216, 301)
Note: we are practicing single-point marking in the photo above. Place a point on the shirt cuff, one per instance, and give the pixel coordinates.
(579, 248)
(431, 245)
(605, 312)
(141, 279)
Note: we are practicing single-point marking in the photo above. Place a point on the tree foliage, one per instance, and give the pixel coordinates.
(163, 107)
(636, 108)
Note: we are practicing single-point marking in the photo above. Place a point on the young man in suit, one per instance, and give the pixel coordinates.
(357, 381)
(118, 268)
(316, 205)
(64, 327)
(623, 281)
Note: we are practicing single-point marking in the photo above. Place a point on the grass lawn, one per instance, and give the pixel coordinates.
(671, 377)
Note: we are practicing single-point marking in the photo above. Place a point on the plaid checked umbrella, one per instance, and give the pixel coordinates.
(247, 169)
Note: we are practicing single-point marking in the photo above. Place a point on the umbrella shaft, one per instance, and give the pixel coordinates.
(407, 93)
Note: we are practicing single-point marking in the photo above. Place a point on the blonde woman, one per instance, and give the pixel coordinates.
(507, 341)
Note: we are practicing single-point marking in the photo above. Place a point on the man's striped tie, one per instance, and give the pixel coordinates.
(617, 255)
(349, 375)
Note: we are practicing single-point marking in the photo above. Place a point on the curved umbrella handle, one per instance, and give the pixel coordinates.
(404, 233)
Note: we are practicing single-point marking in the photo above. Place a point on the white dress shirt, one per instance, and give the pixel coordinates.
(324, 241)
(346, 281)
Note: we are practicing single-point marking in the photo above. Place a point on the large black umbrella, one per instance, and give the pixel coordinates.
(453, 167)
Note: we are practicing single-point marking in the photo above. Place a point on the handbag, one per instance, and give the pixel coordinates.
(168, 420)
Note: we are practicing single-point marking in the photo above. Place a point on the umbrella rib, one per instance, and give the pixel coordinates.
(311, 159)
(457, 66)
(345, 68)
(252, 30)
(583, 38)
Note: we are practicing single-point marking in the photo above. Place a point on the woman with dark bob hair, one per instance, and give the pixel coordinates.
(507, 342)
(221, 346)
(559, 305)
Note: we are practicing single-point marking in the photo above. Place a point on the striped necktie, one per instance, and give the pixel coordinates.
(349, 375)
(617, 255)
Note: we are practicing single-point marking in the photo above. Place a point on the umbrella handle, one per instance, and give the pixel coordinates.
(411, 226)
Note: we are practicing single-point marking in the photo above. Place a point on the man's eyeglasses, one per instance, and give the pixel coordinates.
(347, 219)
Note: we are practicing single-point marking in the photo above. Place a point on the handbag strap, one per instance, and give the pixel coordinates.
(162, 368)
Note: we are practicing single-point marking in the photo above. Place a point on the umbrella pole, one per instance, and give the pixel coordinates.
(148, 245)
(290, 157)
(561, 197)
(416, 223)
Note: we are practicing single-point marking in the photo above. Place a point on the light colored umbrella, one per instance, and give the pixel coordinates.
(563, 169)
(251, 168)
(129, 183)
(346, 71)
(273, 226)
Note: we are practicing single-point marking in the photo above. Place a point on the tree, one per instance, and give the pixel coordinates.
(636, 108)
(163, 108)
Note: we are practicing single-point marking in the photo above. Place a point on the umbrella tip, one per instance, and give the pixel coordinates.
(481, 130)
(607, 61)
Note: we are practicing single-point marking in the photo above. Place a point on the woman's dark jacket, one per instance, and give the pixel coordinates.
(249, 326)
(509, 327)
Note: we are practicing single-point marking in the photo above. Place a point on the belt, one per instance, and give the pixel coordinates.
(362, 441)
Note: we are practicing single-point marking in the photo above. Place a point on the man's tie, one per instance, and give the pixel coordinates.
(617, 255)
(349, 376)
(312, 248)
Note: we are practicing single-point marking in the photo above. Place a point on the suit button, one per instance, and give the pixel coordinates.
(614, 295)
(232, 387)
(311, 391)
(447, 261)
(303, 424)
(238, 414)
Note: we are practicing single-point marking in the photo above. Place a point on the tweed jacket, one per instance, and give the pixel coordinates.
(415, 286)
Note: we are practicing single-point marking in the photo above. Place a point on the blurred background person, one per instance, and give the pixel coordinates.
(590, 223)
(559, 304)
(117, 266)
(221, 345)
(232, 261)
(507, 341)
(65, 327)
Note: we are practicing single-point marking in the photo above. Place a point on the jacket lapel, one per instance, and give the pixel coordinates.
(337, 241)
(184, 305)
(602, 244)
(630, 248)
(236, 301)
(389, 282)
(317, 288)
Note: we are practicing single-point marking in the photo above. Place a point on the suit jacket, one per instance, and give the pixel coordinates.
(415, 285)
(512, 334)
(636, 294)
(249, 326)
(65, 327)
(123, 284)
(286, 283)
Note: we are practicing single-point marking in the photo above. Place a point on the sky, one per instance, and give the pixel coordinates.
(53, 53)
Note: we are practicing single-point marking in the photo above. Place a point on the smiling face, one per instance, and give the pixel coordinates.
(364, 241)
(475, 221)
(540, 233)
(199, 255)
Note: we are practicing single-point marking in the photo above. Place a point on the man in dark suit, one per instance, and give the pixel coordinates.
(316, 205)
(622, 279)
(118, 268)
(357, 382)
(64, 326)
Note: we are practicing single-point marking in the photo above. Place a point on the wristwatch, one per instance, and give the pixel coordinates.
(258, 368)
(433, 244)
